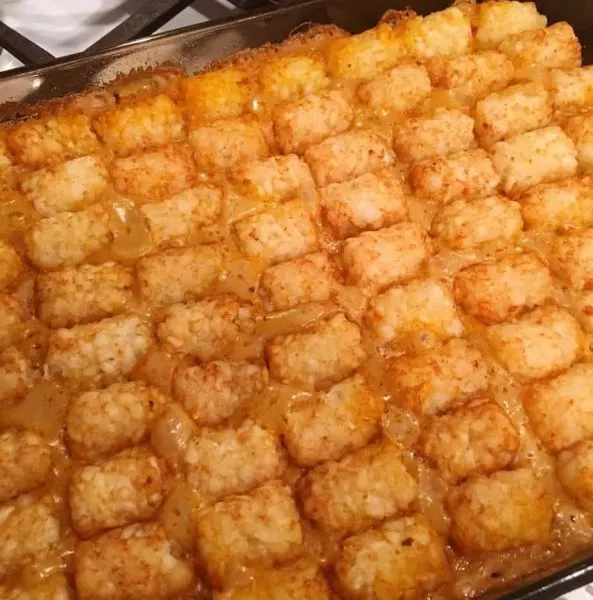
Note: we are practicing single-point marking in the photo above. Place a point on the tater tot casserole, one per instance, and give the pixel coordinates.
(314, 324)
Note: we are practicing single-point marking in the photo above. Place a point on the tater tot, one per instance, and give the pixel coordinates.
(561, 410)
(207, 329)
(465, 223)
(278, 233)
(497, 20)
(49, 588)
(140, 125)
(115, 492)
(254, 530)
(179, 274)
(402, 558)
(475, 439)
(82, 294)
(539, 344)
(365, 55)
(218, 463)
(561, 205)
(15, 374)
(213, 391)
(369, 485)
(423, 307)
(288, 77)
(343, 419)
(443, 33)
(12, 320)
(572, 90)
(99, 352)
(399, 90)
(584, 305)
(176, 220)
(136, 562)
(571, 258)
(308, 121)
(556, 47)
(508, 509)
(10, 265)
(325, 354)
(515, 110)
(25, 462)
(103, 422)
(462, 176)
(306, 279)
(447, 132)
(574, 470)
(154, 175)
(580, 131)
(534, 157)
(276, 178)
(369, 202)
(67, 239)
(66, 187)
(431, 383)
(228, 143)
(376, 259)
(495, 292)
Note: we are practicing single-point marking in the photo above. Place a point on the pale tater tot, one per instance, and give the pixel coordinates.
(462, 176)
(532, 52)
(539, 344)
(376, 259)
(12, 320)
(82, 294)
(343, 419)
(515, 110)
(254, 530)
(534, 157)
(580, 130)
(176, 220)
(228, 143)
(10, 265)
(467, 223)
(218, 463)
(369, 485)
(571, 258)
(561, 205)
(471, 76)
(137, 562)
(276, 178)
(15, 374)
(154, 175)
(399, 90)
(117, 491)
(25, 462)
(207, 329)
(571, 90)
(446, 132)
(51, 140)
(475, 439)
(433, 382)
(574, 470)
(28, 535)
(66, 187)
(366, 54)
(497, 20)
(423, 307)
(402, 558)
(505, 510)
(100, 352)
(369, 202)
(561, 410)
(308, 121)
(179, 274)
(584, 305)
(443, 33)
(310, 278)
(495, 292)
(103, 422)
(140, 125)
(325, 354)
(213, 391)
(347, 156)
(278, 233)
(67, 239)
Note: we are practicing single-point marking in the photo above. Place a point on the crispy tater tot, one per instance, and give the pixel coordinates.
(12, 320)
(572, 90)
(574, 470)
(11, 265)
(571, 258)
(288, 77)
(15, 374)
(580, 130)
